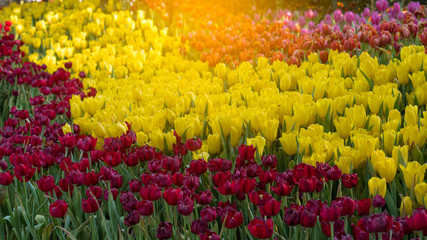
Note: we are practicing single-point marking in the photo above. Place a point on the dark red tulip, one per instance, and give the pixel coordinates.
(128, 201)
(260, 228)
(131, 159)
(314, 205)
(198, 167)
(86, 143)
(164, 180)
(228, 188)
(172, 195)
(323, 56)
(418, 220)
(282, 189)
(179, 149)
(24, 170)
(232, 219)
(349, 180)
(58, 209)
(377, 223)
(259, 197)
(198, 226)
(6, 178)
(247, 185)
(185, 206)
(94, 191)
(208, 214)
(209, 235)
(378, 201)
(291, 217)
(269, 161)
(203, 198)
(164, 230)
(270, 208)
(68, 140)
(90, 205)
(65, 185)
(307, 184)
(145, 208)
(307, 218)
(334, 173)
(171, 164)
(135, 185)
(132, 218)
(405, 226)
(114, 192)
(150, 193)
(46, 183)
(193, 144)
(347, 205)
(112, 159)
(363, 206)
(330, 213)
(178, 179)
(220, 178)
(90, 179)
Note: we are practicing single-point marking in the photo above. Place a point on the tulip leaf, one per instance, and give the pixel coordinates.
(390, 204)
(369, 80)
(47, 231)
(418, 155)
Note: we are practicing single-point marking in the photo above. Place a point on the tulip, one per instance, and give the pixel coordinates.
(343, 127)
(90, 205)
(378, 201)
(330, 214)
(377, 186)
(232, 219)
(420, 193)
(270, 208)
(379, 223)
(289, 143)
(132, 218)
(349, 180)
(172, 196)
(185, 206)
(6, 178)
(145, 208)
(406, 207)
(282, 189)
(150, 193)
(347, 205)
(418, 220)
(164, 230)
(413, 173)
(46, 183)
(214, 143)
(208, 214)
(198, 226)
(209, 235)
(338, 228)
(58, 209)
(193, 144)
(363, 206)
(260, 228)
(291, 217)
(257, 142)
(307, 218)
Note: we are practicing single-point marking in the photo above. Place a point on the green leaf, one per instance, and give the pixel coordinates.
(370, 81)
(47, 231)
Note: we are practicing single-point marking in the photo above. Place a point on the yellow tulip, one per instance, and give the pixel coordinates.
(420, 191)
(413, 173)
(402, 71)
(141, 139)
(411, 115)
(389, 137)
(406, 207)
(377, 186)
(387, 169)
(403, 150)
(269, 130)
(66, 128)
(157, 140)
(289, 143)
(214, 143)
(258, 142)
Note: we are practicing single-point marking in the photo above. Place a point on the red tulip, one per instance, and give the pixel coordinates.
(145, 208)
(172, 195)
(307, 218)
(193, 144)
(164, 230)
(203, 198)
(208, 214)
(6, 178)
(270, 208)
(198, 226)
(269, 161)
(90, 205)
(330, 214)
(91, 178)
(338, 227)
(259, 197)
(46, 183)
(86, 143)
(363, 206)
(282, 189)
(232, 219)
(418, 220)
(228, 188)
(260, 228)
(247, 185)
(347, 205)
(209, 235)
(378, 201)
(185, 206)
(291, 217)
(198, 167)
(132, 218)
(150, 193)
(58, 209)
(349, 180)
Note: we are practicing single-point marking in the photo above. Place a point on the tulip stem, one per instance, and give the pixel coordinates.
(332, 230)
